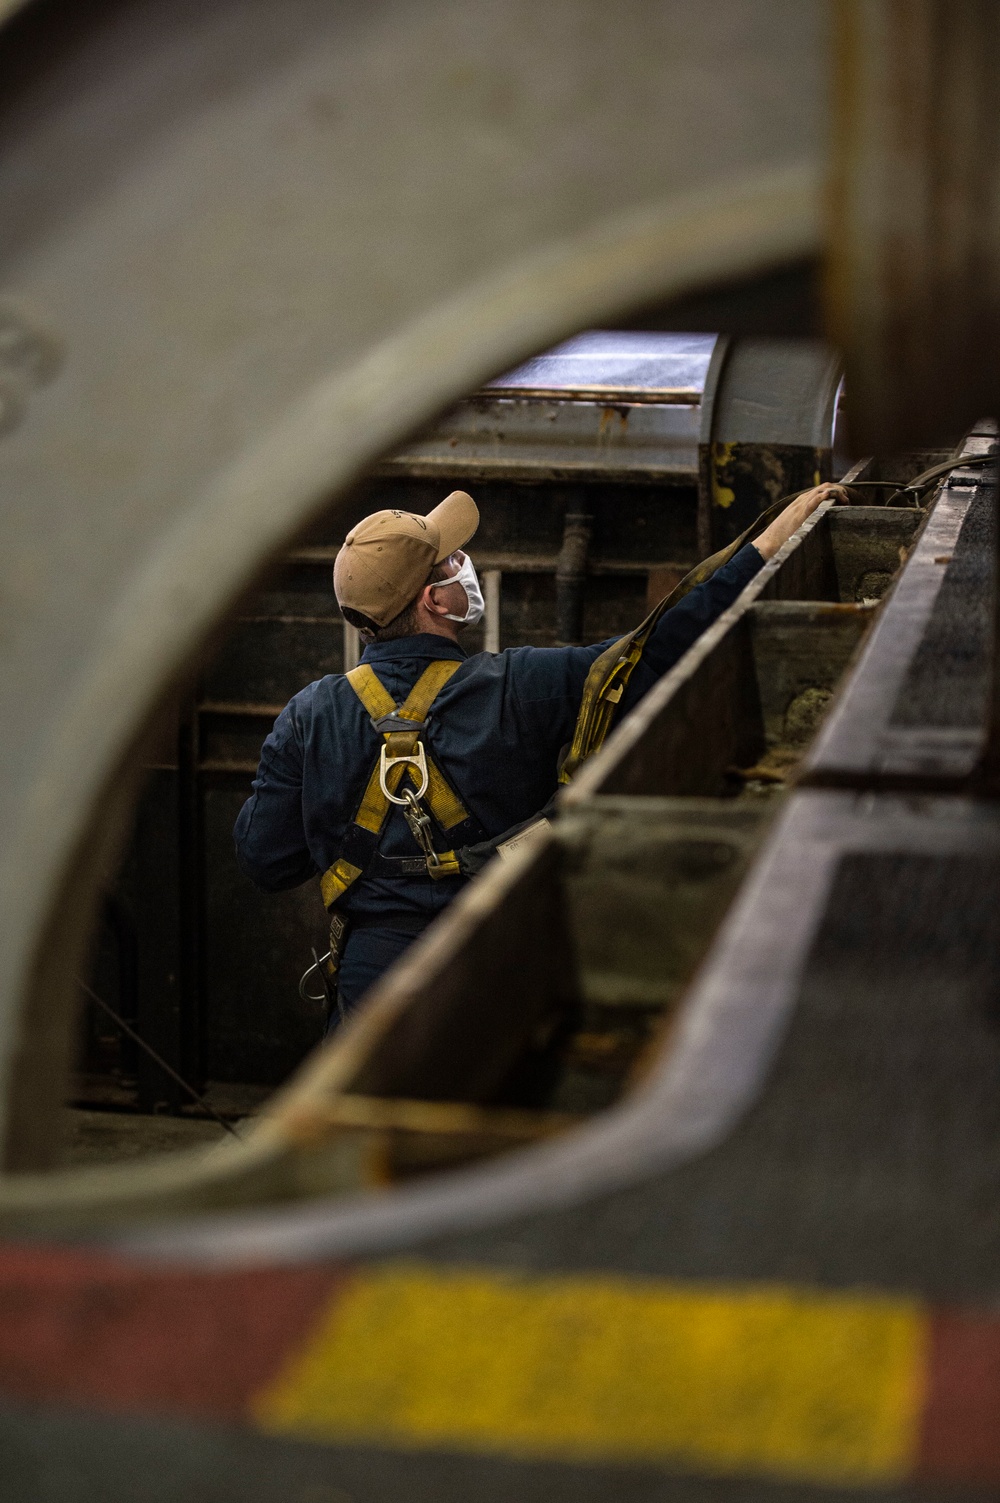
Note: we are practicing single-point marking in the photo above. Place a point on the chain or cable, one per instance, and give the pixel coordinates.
(920, 482)
(169, 1069)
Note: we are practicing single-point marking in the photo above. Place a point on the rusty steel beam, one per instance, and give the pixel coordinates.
(914, 256)
(914, 227)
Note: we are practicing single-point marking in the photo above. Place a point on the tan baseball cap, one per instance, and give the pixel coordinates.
(386, 559)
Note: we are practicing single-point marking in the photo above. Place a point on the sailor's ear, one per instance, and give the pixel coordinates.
(428, 597)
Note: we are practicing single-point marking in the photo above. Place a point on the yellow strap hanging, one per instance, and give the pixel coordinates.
(336, 880)
(609, 674)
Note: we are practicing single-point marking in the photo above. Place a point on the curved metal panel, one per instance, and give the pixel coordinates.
(767, 423)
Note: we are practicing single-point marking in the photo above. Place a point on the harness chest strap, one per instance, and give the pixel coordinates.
(405, 744)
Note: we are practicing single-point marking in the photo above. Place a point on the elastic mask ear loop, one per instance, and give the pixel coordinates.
(469, 580)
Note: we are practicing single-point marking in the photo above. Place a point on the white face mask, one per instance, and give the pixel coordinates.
(469, 580)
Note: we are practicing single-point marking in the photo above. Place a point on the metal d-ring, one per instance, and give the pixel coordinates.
(418, 760)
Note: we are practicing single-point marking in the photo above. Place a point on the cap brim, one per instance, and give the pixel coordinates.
(456, 519)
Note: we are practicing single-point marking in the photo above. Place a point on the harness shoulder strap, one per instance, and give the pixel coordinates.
(371, 691)
(427, 688)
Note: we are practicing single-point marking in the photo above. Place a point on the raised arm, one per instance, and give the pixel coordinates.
(679, 628)
(548, 682)
(794, 514)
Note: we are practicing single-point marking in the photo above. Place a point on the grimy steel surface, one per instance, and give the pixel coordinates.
(914, 262)
(603, 406)
(755, 416)
(767, 429)
(915, 712)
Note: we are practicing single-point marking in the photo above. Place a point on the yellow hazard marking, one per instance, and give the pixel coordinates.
(762, 1379)
(722, 454)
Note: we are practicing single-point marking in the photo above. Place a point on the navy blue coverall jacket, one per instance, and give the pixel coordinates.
(496, 731)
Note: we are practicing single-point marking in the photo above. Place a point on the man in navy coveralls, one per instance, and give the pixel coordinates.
(496, 729)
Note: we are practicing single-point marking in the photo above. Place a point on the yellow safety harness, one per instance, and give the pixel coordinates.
(403, 754)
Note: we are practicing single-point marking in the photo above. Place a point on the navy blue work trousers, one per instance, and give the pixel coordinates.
(367, 954)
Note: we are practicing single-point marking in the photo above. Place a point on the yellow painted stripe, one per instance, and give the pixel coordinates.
(762, 1379)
